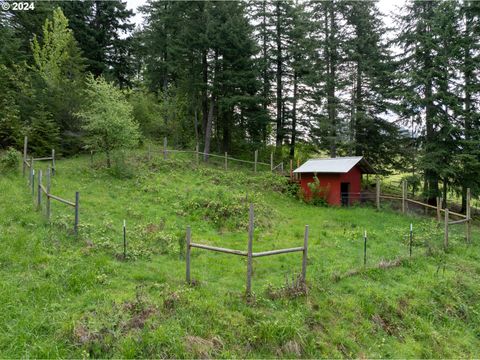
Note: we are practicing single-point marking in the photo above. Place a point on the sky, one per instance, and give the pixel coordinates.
(385, 6)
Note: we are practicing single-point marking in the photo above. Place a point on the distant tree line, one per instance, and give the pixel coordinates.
(324, 77)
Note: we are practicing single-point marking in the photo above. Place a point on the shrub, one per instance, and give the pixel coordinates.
(10, 160)
(318, 194)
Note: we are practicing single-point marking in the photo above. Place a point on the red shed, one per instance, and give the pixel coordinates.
(340, 178)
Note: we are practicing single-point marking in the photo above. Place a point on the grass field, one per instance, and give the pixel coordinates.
(62, 296)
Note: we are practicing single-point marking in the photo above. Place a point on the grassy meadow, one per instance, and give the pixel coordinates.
(62, 296)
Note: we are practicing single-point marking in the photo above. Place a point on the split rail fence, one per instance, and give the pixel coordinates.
(464, 218)
(249, 253)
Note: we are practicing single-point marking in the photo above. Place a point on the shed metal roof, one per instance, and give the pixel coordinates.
(339, 165)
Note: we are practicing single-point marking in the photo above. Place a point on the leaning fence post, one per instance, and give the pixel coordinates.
(187, 255)
(377, 198)
(271, 161)
(469, 217)
(365, 248)
(77, 205)
(250, 250)
(25, 142)
(305, 254)
(445, 239)
(226, 161)
(48, 193)
(39, 190)
(256, 158)
(165, 148)
(53, 162)
(403, 196)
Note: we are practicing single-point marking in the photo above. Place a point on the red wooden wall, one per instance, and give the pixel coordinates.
(333, 181)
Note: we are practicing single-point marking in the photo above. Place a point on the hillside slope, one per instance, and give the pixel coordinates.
(63, 296)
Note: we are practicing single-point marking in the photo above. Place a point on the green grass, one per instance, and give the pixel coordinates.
(62, 296)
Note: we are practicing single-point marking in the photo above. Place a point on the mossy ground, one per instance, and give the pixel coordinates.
(62, 296)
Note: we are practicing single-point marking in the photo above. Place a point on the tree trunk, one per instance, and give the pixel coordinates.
(359, 113)
(330, 33)
(204, 91)
(208, 131)
(266, 83)
(294, 114)
(279, 60)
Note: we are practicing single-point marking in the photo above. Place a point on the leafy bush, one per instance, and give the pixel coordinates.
(318, 194)
(10, 160)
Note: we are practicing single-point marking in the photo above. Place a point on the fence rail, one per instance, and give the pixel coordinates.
(249, 253)
(465, 218)
(46, 189)
(225, 157)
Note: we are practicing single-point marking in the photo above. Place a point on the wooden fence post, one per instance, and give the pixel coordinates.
(48, 193)
(187, 253)
(25, 142)
(365, 248)
(165, 148)
(33, 181)
(411, 239)
(271, 161)
(439, 207)
(250, 250)
(377, 197)
(403, 197)
(256, 158)
(291, 169)
(39, 190)
(469, 217)
(77, 209)
(196, 154)
(305, 254)
(226, 161)
(445, 239)
(54, 167)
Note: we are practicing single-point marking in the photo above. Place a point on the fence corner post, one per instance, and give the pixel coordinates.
(445, 238)
(188, 238)
(77, 209)
(377, 197)
(250, 250)
(469, 217)
(305, 254)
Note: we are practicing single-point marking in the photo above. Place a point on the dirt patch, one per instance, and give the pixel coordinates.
(291, 348)
(202, 348)
(384, 324)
